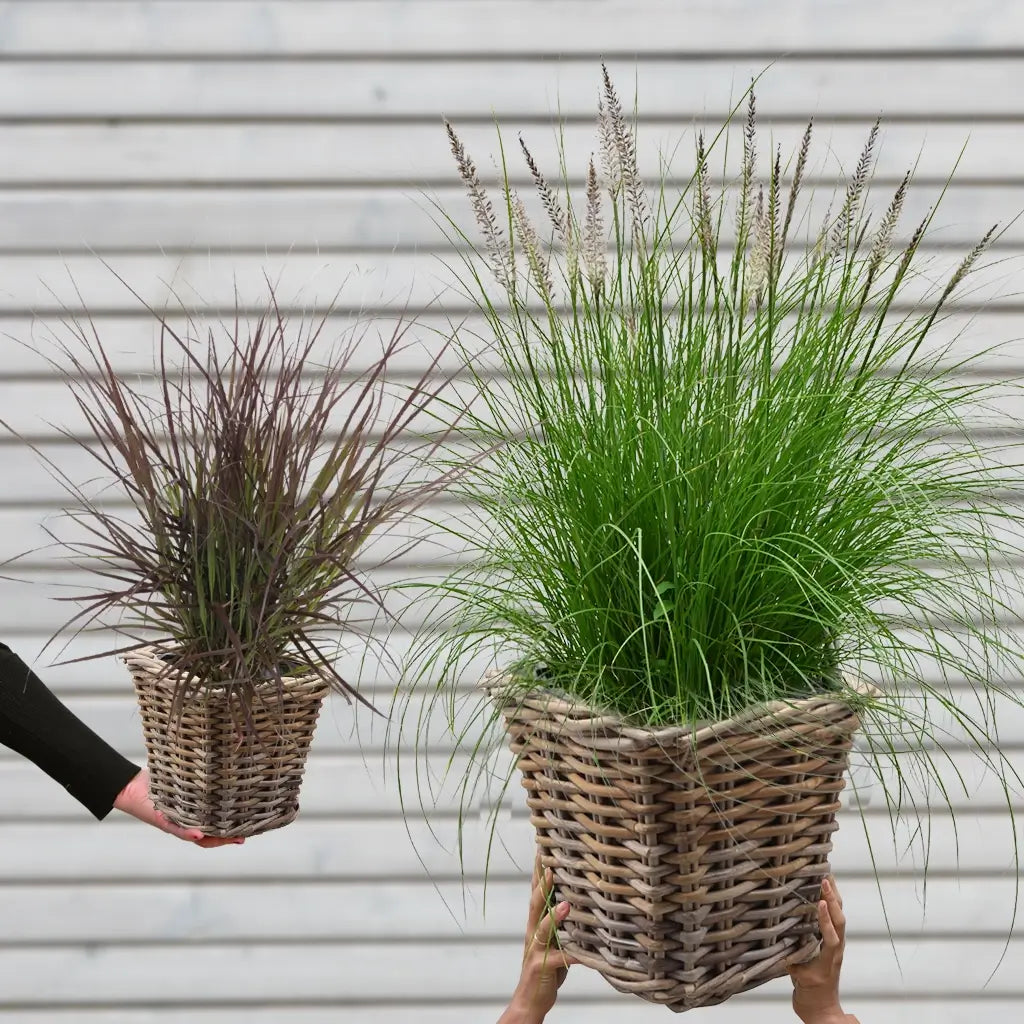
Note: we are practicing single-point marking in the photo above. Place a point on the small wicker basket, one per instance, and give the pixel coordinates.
(692, 859)
(210, 770)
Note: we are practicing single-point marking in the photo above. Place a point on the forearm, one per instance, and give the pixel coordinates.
(36, 725)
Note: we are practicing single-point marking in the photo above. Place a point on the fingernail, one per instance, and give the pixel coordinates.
(195, 836)
(825, 887)
(562, 910)
(238, 842)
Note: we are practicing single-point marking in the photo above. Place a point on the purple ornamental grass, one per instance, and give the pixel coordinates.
(256, 476)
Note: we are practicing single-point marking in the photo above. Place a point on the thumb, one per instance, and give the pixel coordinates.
(555, 917)
(561, 912)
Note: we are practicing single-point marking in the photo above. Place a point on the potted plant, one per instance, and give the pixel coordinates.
(728, 473)
(257, 459)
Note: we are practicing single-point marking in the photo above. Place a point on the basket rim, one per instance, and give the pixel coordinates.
(146, 660)
(498, 685)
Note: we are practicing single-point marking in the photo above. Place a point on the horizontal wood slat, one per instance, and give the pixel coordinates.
(391, 848)
(374, 220)
(47, 409)
(374, 659)
(399, 282)
(339, 785)
(414, 970)
(29, 478)
(364, 90)
(361, 28)
(371, 784)
(462, 911)
(373, 663)
(71, 664)
(38, 609)
(419, 543)
(418, 155)
(993, 336)
(343, 728)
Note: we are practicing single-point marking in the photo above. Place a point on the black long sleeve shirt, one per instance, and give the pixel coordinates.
(35, 724)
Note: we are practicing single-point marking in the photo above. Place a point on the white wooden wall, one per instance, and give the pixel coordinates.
(205, 142)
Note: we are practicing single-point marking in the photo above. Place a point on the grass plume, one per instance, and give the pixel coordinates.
(720, 474)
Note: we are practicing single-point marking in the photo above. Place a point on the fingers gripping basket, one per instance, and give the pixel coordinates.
(692, 859)
(212, 769)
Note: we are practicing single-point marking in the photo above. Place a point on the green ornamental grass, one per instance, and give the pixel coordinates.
(726, 457)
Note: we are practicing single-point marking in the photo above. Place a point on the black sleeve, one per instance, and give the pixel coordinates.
(35, 724)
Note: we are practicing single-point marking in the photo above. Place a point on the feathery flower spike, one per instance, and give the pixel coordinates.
(498, 250)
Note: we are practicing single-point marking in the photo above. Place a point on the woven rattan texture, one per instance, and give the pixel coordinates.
(208, 769)
(692, 860)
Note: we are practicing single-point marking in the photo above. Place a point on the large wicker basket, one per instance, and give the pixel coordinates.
(692, 859)
(211, 770)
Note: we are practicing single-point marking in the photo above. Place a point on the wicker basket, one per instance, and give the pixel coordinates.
(692, 860)
(208, 770)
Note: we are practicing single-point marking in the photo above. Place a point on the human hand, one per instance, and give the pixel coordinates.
(816, 984)
(135, 800)
(544, 965)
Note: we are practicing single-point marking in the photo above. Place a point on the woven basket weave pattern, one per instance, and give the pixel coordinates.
(692, 860)
(208, 769)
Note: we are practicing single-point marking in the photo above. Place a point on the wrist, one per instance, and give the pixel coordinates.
(833, 1015)
(519, 1012)
(128, 796)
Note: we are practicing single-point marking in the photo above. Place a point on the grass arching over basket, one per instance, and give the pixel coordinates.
(258, 459)
(731, 461)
